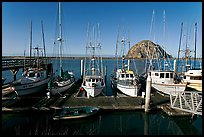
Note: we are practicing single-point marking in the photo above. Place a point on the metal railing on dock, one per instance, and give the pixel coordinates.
(188, 101)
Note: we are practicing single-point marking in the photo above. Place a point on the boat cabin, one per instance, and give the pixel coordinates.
(125, 75)
(193, 76)
(93, 81)
(162, 76)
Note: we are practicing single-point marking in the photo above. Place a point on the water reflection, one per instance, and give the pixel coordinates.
(105, 123)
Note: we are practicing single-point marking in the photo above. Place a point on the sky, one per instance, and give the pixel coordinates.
(130, 19)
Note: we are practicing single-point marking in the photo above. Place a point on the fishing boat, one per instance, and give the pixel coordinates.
(192, 75)
(74, 112)
(35, 78)
(163, 82)
(65, 80)
(124, 79)
(93, 76)
(162, 73)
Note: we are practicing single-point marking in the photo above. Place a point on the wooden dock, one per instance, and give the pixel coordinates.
(21, 104)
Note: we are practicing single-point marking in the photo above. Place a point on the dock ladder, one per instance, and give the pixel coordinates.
(188, 101)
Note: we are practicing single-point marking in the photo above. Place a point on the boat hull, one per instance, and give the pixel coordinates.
(31, 88)
(93, 91)
(130, 90)
(168, 89)
(59, 90)
(74, 113)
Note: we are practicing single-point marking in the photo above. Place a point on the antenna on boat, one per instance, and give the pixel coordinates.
(195, 45)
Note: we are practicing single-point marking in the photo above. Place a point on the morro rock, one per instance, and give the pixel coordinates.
(147, 48)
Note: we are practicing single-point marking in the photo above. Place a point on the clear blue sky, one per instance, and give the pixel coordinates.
(132, 17)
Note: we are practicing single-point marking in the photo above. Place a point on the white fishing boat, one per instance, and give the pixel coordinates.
(163, 81)
(124, 79)
(192, 75)
(33, 81)
(162, 74)
(93, 76)
(65, 80)
(35, 78)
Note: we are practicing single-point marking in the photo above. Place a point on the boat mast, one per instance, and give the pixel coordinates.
(179, 47)
(87, 41)
(123, 56)
(99, 45)
(60, 39)
(195, 44)
(43, 38)
(187, 52)
(30, 42)
(92, 53)
(116, 51)
(164, 31)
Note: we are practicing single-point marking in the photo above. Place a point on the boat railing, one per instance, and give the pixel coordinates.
(188, 101)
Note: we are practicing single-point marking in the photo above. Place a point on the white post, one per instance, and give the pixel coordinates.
(148, 91)
(82, 67)
(88, 95)
(128, 64)
(175, 68)
(48, 94)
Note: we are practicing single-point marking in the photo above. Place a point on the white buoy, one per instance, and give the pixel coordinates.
(148, 91)
(82, 67)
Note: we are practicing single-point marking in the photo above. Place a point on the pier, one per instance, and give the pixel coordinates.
(111, 103)
(14, 64)
(12, 103)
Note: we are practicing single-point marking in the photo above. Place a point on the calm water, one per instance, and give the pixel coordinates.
(104, 123)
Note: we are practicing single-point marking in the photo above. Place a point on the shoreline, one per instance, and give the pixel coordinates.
(78, 57)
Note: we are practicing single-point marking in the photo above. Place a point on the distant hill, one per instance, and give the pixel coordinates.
(147, 48)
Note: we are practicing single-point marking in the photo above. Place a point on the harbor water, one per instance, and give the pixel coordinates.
(105, 122)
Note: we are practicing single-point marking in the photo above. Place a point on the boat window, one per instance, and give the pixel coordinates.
(122, 75)
(167, 75)
(31, 75)
(38, 75)
(171, 75)
(131, 75)
(195, 78)
(88, 80)
(184, 77)
(156, 74)
(161, 75)
(127, 75)
(96, 80)
(93, 80)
